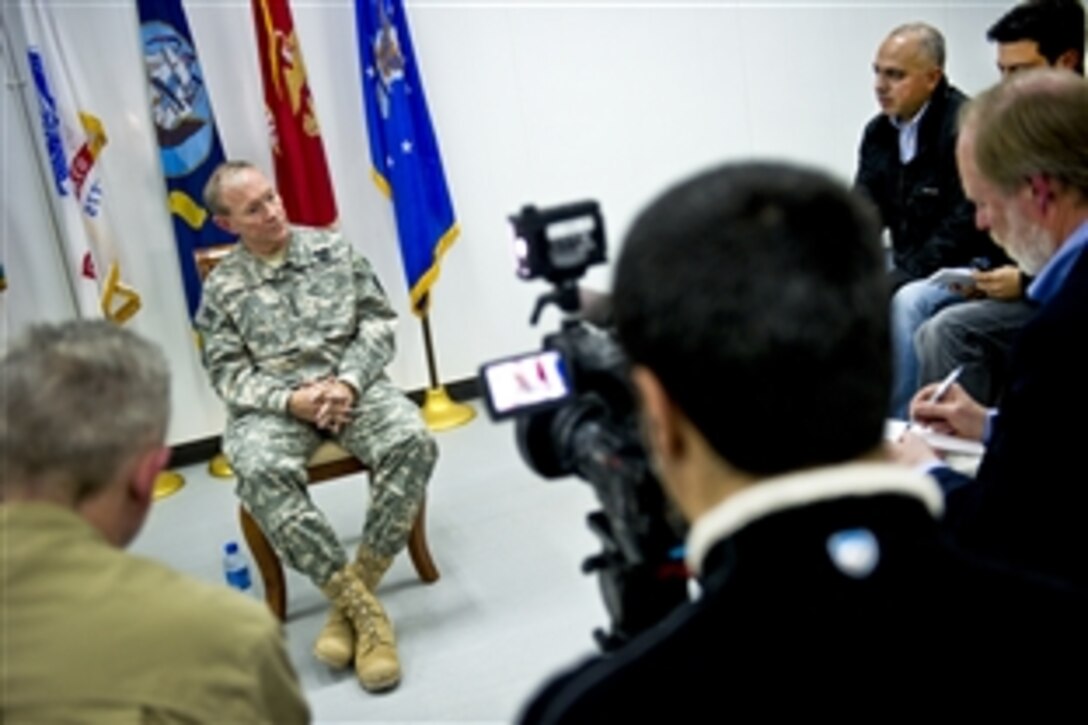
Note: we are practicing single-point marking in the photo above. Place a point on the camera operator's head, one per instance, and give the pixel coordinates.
(751, 302)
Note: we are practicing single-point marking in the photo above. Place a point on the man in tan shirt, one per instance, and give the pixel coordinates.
(92, 634)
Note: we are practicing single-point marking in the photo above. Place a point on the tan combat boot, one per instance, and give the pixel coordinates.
(376, 663)
(335, 643)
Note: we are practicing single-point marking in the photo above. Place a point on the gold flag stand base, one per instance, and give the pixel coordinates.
(167, 483)
(219, 467)
(442, 413)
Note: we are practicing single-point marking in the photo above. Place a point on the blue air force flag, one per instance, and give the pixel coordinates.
(403, 149)
(189, 145)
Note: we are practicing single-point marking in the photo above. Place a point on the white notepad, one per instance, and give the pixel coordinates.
(958, 277)
(939, 441)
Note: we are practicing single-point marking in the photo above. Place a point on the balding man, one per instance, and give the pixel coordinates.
(297, 333)
(907, 166)
(907, 162)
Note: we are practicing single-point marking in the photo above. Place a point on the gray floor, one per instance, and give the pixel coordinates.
(510, 607)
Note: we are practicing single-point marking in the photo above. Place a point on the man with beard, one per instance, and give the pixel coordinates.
(978, 333)
(1023, 156)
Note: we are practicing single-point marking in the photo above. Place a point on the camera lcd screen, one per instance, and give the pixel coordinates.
(525, 383)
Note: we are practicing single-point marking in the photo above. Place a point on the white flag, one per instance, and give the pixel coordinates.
(73, 141)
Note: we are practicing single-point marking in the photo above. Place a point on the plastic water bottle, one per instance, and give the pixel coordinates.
(236, 568)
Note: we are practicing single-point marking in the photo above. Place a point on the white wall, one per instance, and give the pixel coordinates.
(540, 102)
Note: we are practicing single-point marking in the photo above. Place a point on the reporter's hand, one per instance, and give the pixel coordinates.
(956, 413)
(912, 450)
(1002, 283)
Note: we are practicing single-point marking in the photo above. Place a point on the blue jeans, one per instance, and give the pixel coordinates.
(912, 304)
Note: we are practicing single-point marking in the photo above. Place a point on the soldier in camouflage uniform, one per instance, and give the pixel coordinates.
(296, 334)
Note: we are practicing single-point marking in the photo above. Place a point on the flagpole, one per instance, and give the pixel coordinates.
(407, 168)
(440, 412)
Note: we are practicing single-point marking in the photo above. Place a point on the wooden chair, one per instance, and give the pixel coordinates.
(329, 462)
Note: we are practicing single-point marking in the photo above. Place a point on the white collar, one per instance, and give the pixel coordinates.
(804, 487)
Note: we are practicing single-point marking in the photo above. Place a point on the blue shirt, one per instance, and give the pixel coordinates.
(1048, 283)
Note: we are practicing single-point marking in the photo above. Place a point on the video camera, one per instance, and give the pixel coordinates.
(575, 414)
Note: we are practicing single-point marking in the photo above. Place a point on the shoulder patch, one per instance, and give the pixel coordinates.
(854, 552)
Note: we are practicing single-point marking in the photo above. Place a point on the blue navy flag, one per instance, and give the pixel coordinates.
(403, 149)
(185, 127)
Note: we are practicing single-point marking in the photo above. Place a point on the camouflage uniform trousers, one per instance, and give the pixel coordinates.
(268, 453)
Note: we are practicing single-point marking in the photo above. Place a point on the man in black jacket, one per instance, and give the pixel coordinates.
(825, 584)
(907, 163)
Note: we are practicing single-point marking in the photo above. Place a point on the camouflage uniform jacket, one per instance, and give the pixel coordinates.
(266, 329)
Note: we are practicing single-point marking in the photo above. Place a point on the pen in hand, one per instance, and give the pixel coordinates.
(934, 397)
(945, 385)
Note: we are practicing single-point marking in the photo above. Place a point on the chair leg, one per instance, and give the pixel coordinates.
(268, 564)
(418, 550)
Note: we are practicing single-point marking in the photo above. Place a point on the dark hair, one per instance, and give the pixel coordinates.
(756, 293)
(1056, 26)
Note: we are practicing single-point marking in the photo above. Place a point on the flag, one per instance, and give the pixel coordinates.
(74, 139)
(189, 147)
(406, 164)
(302, 176)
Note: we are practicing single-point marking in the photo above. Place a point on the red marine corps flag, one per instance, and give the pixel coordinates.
(302, 176)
